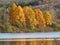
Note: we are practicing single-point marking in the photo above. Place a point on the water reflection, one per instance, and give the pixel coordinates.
(38, 42)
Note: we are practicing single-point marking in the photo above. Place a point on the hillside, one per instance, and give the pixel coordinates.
(6, 26)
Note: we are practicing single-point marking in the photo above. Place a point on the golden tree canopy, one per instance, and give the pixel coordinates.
(39, 17)
(48, 17)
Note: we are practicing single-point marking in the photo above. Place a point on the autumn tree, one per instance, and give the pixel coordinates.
(12, 13)
(21, 16)
(39, 17)
(48, 17)
(30, 17)
(17, 15)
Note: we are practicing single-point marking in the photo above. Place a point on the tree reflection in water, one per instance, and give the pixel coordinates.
(44, 42)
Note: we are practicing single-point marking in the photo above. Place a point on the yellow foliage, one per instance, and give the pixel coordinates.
(39, 17)
(30, 16)
(21, 15)
(17, 14)
(12, 14)
(48, 17)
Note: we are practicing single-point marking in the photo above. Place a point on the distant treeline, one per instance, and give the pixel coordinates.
(22, 3)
